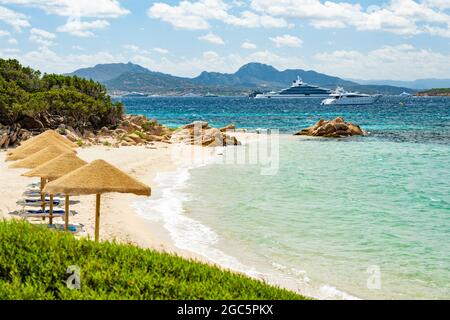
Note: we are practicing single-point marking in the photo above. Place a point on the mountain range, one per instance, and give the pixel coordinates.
(125, 78)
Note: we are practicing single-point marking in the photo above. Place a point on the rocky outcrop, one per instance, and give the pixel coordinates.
(200, 133)
(335, 128)
(11, 136)
(133, 130)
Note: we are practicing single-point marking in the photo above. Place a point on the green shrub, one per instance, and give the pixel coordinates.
(79, 142)
(149, 124)
(34, 262)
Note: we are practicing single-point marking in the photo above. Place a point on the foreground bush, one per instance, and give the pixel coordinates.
(34, 262)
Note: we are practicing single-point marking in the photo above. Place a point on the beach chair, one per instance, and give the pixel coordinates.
(38, 202)
(72, 228)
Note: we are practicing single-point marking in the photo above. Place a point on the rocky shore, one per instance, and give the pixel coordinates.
(133, 130)
(335, 128)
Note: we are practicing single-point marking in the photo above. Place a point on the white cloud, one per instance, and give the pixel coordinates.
(248, 45)
(76, 47)
(9, 52)
(212, 38)
(399, 62)
(161, 50)
(287, 41)
(441, 4)
(42, 37)
(196, 15)
(212, 61)
(131, 47)
(15, 19)
(49, 61)
(403, 17)
(75, 10)
(78, 28)
(252, 20)
(4, 33)
(13, 41)
(78, 8)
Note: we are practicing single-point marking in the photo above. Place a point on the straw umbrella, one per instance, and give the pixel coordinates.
(44, 136)
(46, 154)
(55, 169)
(97, 178)
(34, 147)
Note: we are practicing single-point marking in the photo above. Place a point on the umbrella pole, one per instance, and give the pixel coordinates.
(97, 217)
(51, 209)
(43, 197)
(66, 227)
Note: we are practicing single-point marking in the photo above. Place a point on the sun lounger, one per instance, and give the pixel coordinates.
(41, 214)
(37, 193)
(38, 202)
(71, 228)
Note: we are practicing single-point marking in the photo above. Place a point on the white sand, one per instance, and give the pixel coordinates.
(119, 220)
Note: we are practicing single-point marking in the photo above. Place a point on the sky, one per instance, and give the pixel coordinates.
(353, 39)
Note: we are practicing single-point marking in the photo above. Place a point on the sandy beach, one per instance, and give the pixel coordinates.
(119, 220)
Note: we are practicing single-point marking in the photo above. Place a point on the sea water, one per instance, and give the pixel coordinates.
(361, 217)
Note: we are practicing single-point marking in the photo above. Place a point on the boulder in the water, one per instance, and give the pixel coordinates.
(335, 128)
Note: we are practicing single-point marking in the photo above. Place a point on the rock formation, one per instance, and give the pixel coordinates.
(200, 133)
(335, 128)
(11, 136)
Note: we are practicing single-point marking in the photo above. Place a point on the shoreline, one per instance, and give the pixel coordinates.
(135, 220)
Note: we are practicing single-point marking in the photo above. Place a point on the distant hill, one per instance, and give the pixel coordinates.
(258, 75)
(106, 72)
(441, 92)
(419, 84)
(120, 77)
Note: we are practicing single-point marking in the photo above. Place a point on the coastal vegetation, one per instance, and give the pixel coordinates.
(34, 262)
(35, 101)
(445, 92)
(81, 109)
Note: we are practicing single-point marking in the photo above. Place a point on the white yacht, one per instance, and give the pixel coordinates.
(298, 90)
(342, 97)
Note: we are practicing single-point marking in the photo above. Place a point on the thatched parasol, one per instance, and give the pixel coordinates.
(45, 135)
(34, 147)
(55, 169)
(97, 178)
(44, 155)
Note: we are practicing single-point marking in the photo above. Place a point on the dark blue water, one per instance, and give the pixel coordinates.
(418, 119)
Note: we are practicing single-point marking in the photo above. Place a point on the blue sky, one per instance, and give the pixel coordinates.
(362, 39)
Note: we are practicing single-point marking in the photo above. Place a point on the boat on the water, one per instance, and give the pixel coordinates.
(135, 95)
(342, 97)
(210, 95)
(298, 90)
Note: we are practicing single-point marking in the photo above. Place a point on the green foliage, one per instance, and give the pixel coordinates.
(74, 101)
(79, 142)
(437, 91)
(149, 124)
(34, 262)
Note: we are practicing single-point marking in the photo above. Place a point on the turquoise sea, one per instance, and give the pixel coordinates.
(365, 217)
